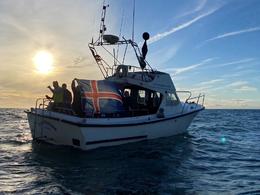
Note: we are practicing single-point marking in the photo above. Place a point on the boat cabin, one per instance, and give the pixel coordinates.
(133, 93)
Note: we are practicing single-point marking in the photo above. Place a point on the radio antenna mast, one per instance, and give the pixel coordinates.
(103, 27)
(133, 27)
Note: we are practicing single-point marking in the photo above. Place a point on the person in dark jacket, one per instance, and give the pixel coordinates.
(76, 104)
(57, 96)
(67, 96)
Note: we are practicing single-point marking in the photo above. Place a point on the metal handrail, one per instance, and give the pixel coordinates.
(41, 103)
(188, 100)
(190, 94)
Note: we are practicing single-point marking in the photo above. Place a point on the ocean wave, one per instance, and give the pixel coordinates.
(220, 154)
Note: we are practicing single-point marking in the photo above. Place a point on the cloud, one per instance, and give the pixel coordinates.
(206, 85)
(163, 55)
(232, 103)
(200, 89)
(236, 62)
(210, 82)
(162, 35)
(241, 86)
(10, 21)
(78, 62)
(246, 88)
(237, 84)
(200, 5)
(242, 73)
(230, 34)
(177, 71)
(242, 61)
(55, 26)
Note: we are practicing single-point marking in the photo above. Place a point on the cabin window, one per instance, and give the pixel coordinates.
(139, 101)
(127, 92)
(171, 99)
(141, 97)
(141, 93)
(156, 99)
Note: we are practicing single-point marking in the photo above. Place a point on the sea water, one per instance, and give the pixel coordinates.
(220, 154)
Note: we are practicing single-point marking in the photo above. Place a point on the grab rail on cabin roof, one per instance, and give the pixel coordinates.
(110, 71)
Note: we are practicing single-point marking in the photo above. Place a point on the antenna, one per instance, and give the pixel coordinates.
(102, 24)
(120, 31)
(133, 27)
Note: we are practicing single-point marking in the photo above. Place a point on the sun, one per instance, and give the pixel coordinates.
(43, 61)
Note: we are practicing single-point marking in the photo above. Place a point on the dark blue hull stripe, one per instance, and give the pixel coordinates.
(116, 140)
(114, 125)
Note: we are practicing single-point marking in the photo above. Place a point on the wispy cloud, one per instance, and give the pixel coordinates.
(235, 62)
(163, 55)
(211, 82)
(77, 63)
(8, 20)
(231, 34)
(199, 6)
(241, 86)
(231, 103)
(206, 86)
(177, 71)
(237, 84)
(246, 88)
(252, 73)
(162, 35)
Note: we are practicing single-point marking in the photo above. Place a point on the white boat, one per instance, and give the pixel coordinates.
(155, 110)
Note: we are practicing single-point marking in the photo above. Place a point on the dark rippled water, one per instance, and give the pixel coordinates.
(220, 154)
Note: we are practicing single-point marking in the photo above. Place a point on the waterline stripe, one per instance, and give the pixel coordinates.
(116, 140)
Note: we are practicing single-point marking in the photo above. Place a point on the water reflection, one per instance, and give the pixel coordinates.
(187, 164)
(131, 168)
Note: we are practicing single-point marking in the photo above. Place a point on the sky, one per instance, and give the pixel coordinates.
(207, 46)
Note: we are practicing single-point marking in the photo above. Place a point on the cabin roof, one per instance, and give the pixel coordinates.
(156, 80)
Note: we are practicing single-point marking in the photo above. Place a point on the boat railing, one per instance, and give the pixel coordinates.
(189, 94)
(42, 103)
(198, 100)
(122, 71)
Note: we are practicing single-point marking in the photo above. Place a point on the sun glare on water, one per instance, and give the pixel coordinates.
(43, 61)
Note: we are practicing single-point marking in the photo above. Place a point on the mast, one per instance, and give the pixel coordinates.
(133, 27)
(105, 40)
(102, 23)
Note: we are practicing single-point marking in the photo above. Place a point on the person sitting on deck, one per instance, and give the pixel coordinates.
(57, 96)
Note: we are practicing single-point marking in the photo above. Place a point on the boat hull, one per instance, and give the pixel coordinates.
(86, 136)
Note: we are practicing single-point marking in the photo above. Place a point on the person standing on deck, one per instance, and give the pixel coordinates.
(76, 104)
(67, 96)
(57, 96)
